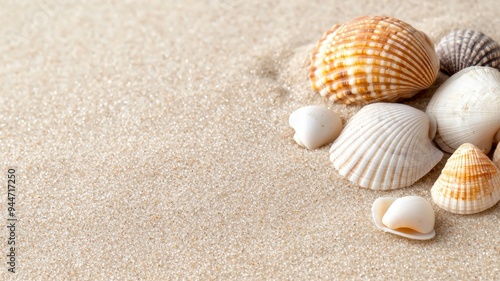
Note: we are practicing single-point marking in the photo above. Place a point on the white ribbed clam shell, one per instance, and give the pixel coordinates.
(469, 182)
(315, 126)
(385, 146)
(467, 109)
(409, 216)
(463, 48)
(371, 59)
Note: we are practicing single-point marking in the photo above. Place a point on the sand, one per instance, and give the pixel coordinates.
(151, 142)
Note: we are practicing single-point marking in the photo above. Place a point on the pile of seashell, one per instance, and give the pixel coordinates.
(376, 60)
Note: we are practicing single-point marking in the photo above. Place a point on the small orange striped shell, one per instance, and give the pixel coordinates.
(373, 59)
(469, 182)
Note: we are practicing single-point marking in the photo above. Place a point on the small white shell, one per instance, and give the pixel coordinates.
(410, 216)
(386, 146)
(467, 109)
(315, 126)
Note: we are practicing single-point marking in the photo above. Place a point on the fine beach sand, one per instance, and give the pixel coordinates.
(151, 142)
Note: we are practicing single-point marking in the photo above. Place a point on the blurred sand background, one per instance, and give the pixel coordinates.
(151, 142)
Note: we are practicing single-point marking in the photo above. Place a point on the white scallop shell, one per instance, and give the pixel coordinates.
(463, 48)
(409, 216)
(386, 146)
(315, 126)
(467, 109)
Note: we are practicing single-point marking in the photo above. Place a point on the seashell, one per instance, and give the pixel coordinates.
(409, 216)
(371, 59)
(496, 156)
(467, 109)
(386, 146)
(463, 48)
(469, 182)
(315, 126)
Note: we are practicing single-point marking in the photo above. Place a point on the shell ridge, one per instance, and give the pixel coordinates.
(341, 149)
(396, 130)
(491, 57)
(404, 56)
(401, 164)
(351, 154)
(399, 75)
(431, 63)
(348, 156)
(426, 150)
(463, 50)
(453, 60)
(480, 49)
(473, 39)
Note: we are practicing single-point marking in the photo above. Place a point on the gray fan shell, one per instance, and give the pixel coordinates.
(463, 48)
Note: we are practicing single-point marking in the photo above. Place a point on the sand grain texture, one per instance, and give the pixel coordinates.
(151, 142)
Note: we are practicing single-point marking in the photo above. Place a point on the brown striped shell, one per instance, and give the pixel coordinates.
(469, 182)
(373, 59)
(463, 48)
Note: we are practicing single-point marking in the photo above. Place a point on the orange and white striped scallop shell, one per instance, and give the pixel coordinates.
(496, 156)
(469, 182)
(372, 59)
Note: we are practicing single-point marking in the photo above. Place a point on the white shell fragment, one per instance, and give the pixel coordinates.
(315, 126)
(411, 216)
(386, 146)
(467, 109)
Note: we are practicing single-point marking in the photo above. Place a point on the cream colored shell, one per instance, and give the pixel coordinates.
(386, 146)
(409, 216)
(496, 156)
(463, 48)
(315, 126)
(469, 182)
(373, 59)
(467, 109)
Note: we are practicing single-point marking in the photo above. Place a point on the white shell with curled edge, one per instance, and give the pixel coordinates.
(409, 216)
(315, 126)
(386, 146)
(467, 109)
